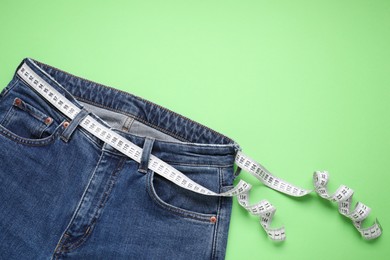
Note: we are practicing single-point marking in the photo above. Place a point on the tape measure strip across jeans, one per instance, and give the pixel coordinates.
(263, 209)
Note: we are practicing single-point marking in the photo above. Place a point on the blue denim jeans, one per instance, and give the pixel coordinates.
(66, 194)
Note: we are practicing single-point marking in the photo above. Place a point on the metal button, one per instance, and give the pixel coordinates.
(66, 124)
(18, 101)
(213, 219)
(48, 120)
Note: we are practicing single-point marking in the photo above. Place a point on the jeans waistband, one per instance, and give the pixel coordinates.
(194, 139)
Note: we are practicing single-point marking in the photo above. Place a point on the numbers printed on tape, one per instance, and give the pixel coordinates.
(263, 209)
(263, 175)
(343, 196)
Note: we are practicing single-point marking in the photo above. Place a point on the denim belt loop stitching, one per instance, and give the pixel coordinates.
(146, 151)
(66, 134)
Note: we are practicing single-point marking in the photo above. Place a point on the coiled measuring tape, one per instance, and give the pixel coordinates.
(263, 209)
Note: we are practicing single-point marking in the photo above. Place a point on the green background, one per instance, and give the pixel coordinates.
(300, 85)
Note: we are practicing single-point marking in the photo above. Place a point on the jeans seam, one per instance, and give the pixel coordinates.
(215, 237)
(133, 116)
(198, 164)
(60, 243)
(222, 177)
(102, 202)
(172, 209)
(127, 124)
(30, 142)
(134, 96)
(77, 243)
(7, 117)
(31, 109)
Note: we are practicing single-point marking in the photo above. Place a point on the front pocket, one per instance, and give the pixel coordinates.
(24, 123)
(182, 202)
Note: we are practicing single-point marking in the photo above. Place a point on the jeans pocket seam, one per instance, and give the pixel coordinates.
(30, 142)
(202, 217)
(7, 117)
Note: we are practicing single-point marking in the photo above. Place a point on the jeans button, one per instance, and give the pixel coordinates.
(18, 101)
(48, 120)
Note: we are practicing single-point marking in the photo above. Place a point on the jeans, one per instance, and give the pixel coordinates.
(66, 194)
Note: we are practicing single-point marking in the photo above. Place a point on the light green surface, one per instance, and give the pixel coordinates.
(300, 85)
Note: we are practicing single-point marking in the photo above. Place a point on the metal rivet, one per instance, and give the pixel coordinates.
(213, 219)
(66, 124)
(18, 101)
(48, 120)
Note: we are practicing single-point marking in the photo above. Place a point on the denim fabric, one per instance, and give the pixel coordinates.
(67, 195)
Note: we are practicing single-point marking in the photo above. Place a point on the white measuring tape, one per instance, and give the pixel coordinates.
(263, 209)
(343, 196)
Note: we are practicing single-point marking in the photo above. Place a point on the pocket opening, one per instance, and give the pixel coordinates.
(26, 124)
(19, 103)
(179, 201)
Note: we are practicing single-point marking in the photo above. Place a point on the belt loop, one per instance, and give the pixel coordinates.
(146, 151)
(66, 134)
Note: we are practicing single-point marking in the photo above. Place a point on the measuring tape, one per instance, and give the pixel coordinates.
(263, 209)
(343, 196)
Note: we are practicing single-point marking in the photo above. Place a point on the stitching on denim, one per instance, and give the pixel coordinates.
(215, 242)
(220, 200)
(44, 127)
(30, 142)
(136, 97)
(55, 254)
(61, 241)
(30, 109)
(133, 116)
(77, 243)
(127, 124)
(204, 218)
(181, 138)
(41, 129)
(178, 211)
(102, 202)
(86, 134)
(139, 98)
(114, 152)
(10, 113)
(222, 175)
(56, 112)
(200, 145)
(197, 164)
